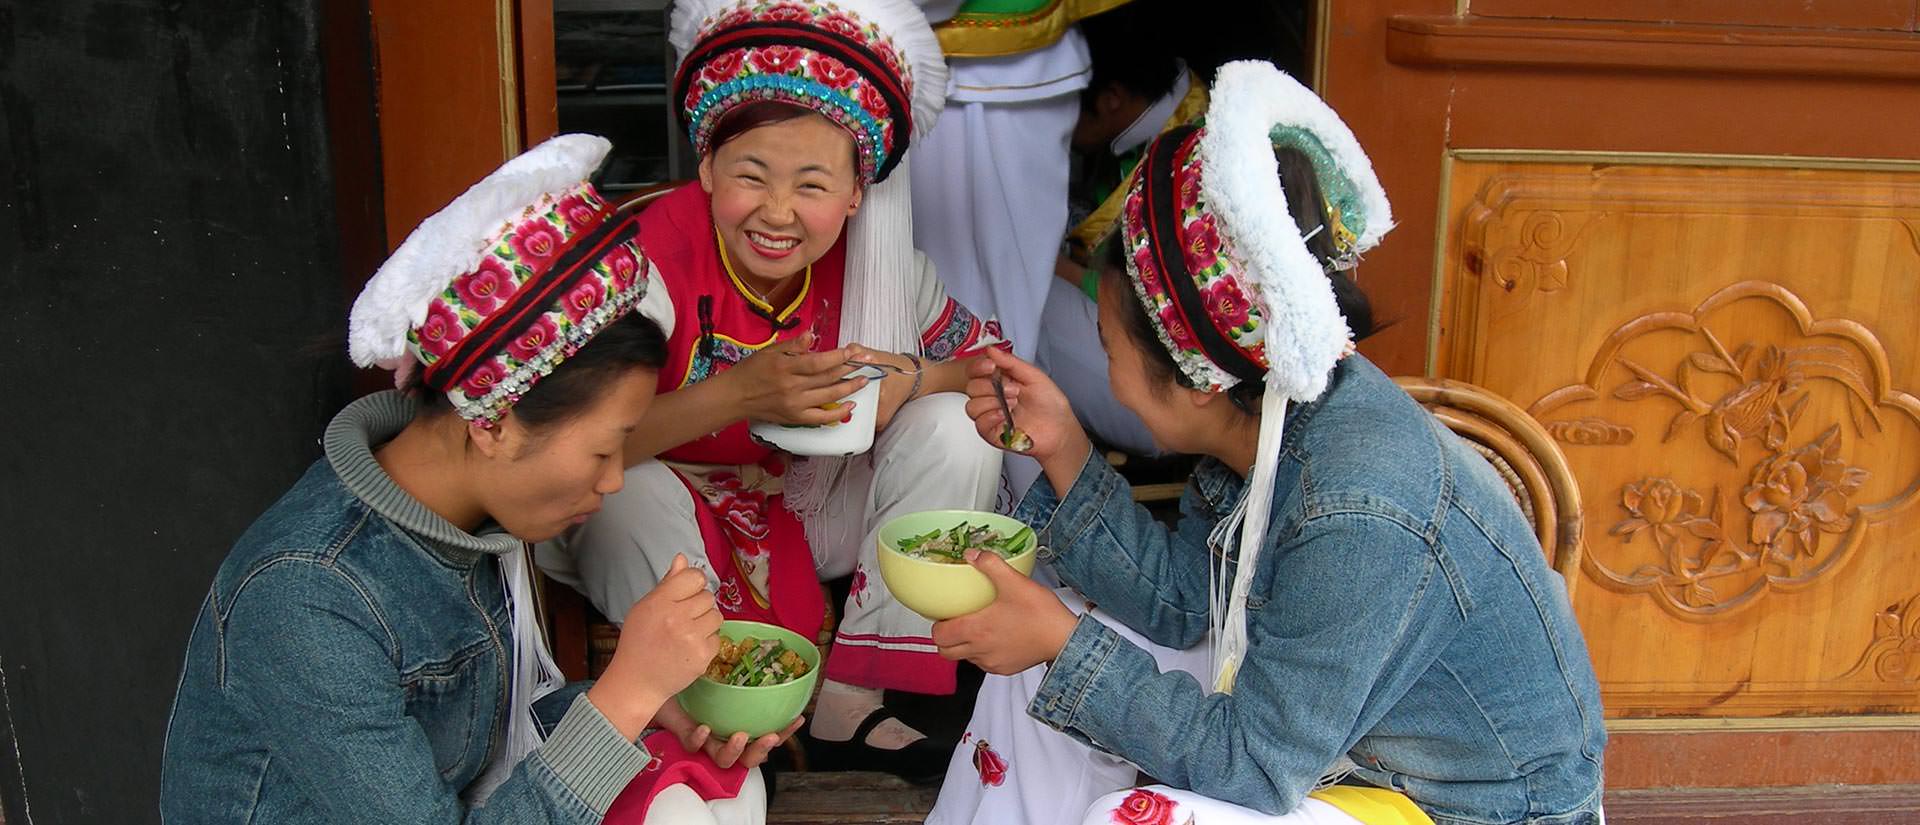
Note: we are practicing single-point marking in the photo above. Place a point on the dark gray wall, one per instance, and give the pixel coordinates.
(168, 261)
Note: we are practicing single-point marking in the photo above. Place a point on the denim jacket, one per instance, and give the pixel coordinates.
(1403, 616)
(349, 665)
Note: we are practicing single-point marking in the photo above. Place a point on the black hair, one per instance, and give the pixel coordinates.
(1306, 203)
(744, 119)
(631, 342)
(1130, 48)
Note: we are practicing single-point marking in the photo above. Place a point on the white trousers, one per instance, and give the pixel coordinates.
(679, 805)
(1189, 807)
(1013, 770)
(928, 458)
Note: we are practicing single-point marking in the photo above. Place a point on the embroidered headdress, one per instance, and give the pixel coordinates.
(491, 293)
(816, 56)
(853, 63)
(1228, 281)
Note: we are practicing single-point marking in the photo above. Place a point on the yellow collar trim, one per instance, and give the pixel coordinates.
(806, 284)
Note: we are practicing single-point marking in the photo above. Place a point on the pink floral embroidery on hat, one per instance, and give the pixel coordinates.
(484, 377)
(776, 59)
(723, 67)
(1202, 244)
(585, 297)
(522, 255)
(440, 331)
(835, 74)
(485, 287)
(787, 13)
(579, 213)
(536, 242)
(623, 266)
(1228, 307)
(842, 25)
(530, 343)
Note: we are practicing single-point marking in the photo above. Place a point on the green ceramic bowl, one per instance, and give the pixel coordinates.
(934, 589)
(729, 709)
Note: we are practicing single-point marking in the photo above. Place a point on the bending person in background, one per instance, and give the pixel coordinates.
(990, 182)
(1139, 88)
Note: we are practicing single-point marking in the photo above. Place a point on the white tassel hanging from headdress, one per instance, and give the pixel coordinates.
(532, 671)
(876, 310)
(1256, 505)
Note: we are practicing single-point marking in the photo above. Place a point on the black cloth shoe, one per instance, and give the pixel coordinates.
(924, 762)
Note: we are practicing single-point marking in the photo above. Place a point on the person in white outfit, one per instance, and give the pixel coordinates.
(990, 182)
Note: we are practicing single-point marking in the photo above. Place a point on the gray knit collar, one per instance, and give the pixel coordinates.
(349, 443)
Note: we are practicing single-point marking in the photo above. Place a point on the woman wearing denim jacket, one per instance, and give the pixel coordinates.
(1351, 592)
(370, 650)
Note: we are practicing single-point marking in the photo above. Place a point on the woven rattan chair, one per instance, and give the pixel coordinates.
(1524, 455)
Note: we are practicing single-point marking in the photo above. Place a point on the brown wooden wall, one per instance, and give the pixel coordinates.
(462, 86)
(1685, 236)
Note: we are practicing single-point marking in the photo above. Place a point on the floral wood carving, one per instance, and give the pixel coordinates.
(1590, 432)
(1790, 507)
(1536, 261)
(1894, 654)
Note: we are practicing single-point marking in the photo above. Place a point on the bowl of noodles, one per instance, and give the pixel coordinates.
(758, 683)
(923, 558)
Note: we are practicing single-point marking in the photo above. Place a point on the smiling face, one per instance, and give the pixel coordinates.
(782, 194)
(538, 482)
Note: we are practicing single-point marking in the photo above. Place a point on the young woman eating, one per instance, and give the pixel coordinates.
(1351, 597)
(370, 650)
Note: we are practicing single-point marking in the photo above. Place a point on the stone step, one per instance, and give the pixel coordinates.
(848, 798)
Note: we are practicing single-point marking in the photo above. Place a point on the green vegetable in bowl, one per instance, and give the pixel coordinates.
(950, 546)
(754, 662)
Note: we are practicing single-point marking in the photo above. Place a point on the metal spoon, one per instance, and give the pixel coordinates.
(881, 365)
(1010, 436)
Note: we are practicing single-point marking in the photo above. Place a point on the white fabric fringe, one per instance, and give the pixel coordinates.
(533, 672)
(1230, 626)
(876, 309)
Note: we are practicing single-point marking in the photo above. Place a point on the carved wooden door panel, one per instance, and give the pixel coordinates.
(1730, 358)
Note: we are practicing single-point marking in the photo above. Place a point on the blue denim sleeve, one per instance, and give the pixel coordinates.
(1115, 553)
(1358, 601)
(307, 659)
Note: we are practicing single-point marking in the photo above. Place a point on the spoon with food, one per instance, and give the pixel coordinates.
(1011, 437)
